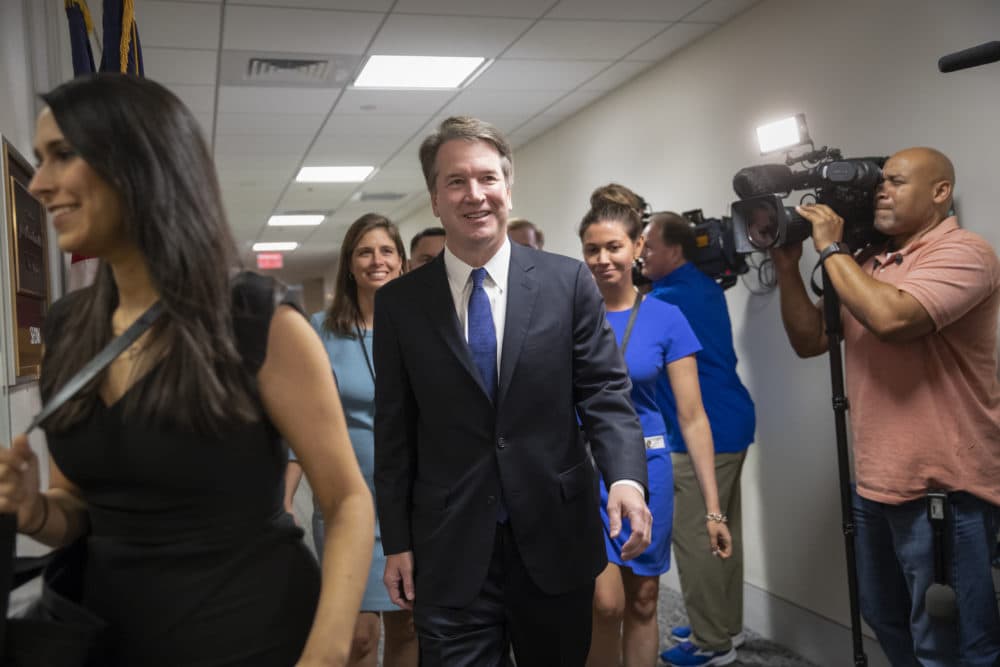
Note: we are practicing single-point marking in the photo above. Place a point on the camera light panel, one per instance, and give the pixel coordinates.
(783, 134)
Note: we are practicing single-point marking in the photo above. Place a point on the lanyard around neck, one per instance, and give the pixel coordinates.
(364, 351)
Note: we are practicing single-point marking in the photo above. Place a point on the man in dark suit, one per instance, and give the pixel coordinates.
(487, 498)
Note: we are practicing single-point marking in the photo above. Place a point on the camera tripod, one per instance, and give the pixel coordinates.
(834, 336)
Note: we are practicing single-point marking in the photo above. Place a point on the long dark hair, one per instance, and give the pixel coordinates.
(146, 144)
(345, 311)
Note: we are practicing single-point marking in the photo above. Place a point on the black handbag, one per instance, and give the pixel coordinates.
(56, 630)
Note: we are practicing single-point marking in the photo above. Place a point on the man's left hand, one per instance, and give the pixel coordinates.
(827, 226)
(626, 501)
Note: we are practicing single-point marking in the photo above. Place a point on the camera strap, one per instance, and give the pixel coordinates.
(631, 322)
(937, 514)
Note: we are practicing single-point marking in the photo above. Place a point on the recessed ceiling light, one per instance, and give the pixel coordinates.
(276, 246)
(294, 220)
(417, 72)
(333, 174)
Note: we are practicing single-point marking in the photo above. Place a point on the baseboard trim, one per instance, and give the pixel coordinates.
(816, 638)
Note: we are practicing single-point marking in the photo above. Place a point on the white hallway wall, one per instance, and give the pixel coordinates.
(865, 74)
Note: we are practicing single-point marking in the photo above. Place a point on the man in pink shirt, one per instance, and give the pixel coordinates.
(921, 366)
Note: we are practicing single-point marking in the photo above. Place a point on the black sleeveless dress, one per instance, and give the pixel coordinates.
(191, 558)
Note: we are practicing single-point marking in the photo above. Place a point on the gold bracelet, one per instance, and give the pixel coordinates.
(716, 517)
(45, 517)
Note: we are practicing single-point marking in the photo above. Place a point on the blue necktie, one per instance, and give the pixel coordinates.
(483, 345)
(482, 334)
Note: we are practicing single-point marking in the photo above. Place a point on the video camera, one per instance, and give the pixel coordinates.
(762, 221)
(716, 254)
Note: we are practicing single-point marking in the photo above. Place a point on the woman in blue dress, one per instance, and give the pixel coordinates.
(658, 340)
(372, 254)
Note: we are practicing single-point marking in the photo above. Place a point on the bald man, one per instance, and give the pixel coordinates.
(920, 339)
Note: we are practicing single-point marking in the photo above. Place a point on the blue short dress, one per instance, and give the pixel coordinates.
(661, 334)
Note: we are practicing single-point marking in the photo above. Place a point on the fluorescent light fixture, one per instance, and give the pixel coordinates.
(333, 174)
(785, 133)
(277, 246)
(297, 220)
(416, 72)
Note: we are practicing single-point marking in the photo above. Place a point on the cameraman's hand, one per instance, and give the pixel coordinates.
(827, 226)
(786, 258)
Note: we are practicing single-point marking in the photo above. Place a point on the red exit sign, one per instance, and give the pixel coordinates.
(270, 260)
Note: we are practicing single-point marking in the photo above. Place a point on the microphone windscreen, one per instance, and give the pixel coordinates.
(972, 57)
(940, 602)
(763, 179)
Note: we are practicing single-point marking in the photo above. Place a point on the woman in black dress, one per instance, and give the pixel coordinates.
(170, 463)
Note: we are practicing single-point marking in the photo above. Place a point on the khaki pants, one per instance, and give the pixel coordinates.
(712, 588)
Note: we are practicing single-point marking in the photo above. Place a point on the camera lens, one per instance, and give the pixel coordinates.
(762, 227)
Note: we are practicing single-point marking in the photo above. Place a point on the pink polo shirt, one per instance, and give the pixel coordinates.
(926, 414)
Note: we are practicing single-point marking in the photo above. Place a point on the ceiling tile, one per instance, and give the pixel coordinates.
(483, 103)
(720, 11)
(191, 66)
(199, 99)
(178, 25)
(357, 155)
(255, 176)
(270, 234)
(615, 76)
(585, 40)
(374, 124)
(574, 102)
(416, 35)
(355, 101)
(298, 30)
(624, 10)
(279, 163)
(316, 196)
(268, 123)
(673, 39)
(344, 143)
(237, 99)
(535, 127)
(261, 144)
(507, 8)
(361, 5)
(513, 74)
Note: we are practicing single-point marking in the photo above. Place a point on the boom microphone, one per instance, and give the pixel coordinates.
(939, 600)
(762, 180)
(972, 57)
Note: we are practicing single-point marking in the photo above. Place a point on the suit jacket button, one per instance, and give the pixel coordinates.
(501, 443)
(490, 500)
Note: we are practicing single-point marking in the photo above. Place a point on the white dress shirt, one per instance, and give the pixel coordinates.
(495, 284)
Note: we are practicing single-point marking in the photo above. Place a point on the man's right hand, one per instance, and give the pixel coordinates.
(398, 579)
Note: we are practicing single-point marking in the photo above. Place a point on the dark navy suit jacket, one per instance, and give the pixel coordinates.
(444, 451)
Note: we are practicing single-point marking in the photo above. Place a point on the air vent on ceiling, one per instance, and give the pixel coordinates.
(291, 70)
(287, 70)
(381, 196)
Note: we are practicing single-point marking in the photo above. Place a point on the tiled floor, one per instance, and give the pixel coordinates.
(756, 652)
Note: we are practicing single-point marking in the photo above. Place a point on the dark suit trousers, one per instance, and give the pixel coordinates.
(545, 630)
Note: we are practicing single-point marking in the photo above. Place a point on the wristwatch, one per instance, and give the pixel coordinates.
(834, 248)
